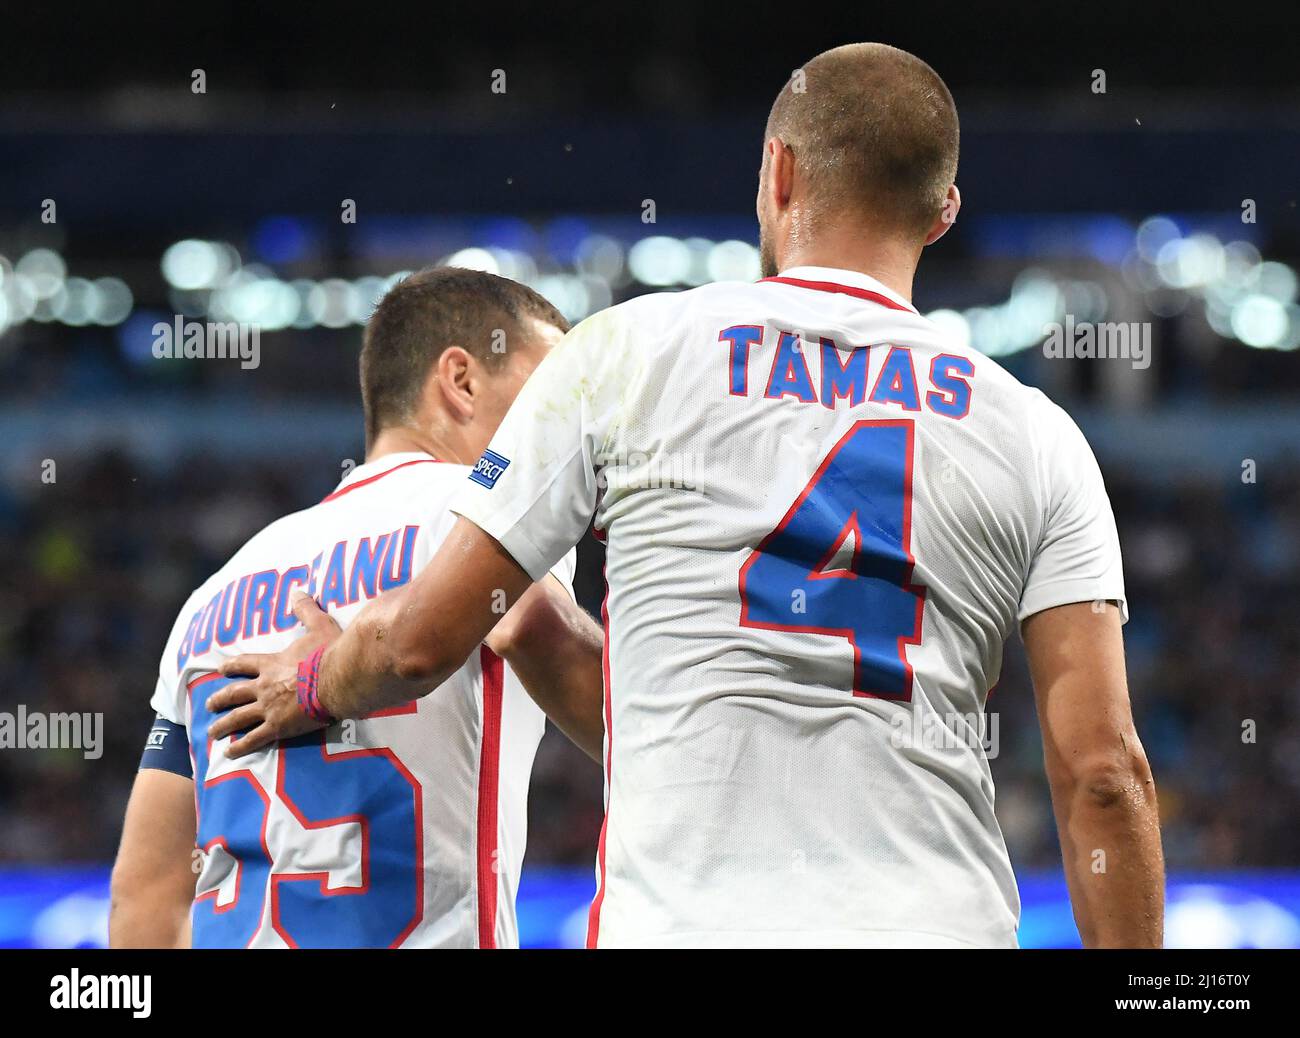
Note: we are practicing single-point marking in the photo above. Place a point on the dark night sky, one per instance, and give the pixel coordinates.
(668, 55)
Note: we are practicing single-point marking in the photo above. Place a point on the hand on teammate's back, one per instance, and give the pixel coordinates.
(265, 705)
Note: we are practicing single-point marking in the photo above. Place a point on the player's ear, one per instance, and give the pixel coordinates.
(779, 162)
(947, 215)
(455, 380)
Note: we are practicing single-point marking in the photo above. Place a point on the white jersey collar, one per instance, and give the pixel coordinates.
(829, 277)
(381, 466)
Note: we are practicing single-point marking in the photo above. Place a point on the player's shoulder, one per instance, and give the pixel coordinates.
(1024, 414)
(653, 310)
(656, 321)
(705, 302)
(260, 548)
(1051, 425)
(399, 483)
(1000, 389)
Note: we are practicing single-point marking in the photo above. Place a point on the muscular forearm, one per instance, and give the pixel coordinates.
(556, 650)
(409, 641)
(150, 916)
(1110, 844)
(567, 704)
(153, 878)
(564, 674)
(379, 662)
(401, 646)
(1102, 790)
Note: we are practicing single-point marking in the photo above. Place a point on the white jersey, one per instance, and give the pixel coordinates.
(823, 520)
(405, 828)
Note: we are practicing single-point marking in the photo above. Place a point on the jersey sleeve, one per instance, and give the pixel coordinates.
(168, 700)
(536, 487)
(1078, 554)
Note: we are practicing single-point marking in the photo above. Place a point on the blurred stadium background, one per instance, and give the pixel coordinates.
(1171, 198)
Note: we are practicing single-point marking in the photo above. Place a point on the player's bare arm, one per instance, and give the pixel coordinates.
(404, 644)
(153, 879)
(1103, 793)
(556, 649)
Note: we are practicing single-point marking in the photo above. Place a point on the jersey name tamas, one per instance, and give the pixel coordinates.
(405, 828)
(823, 521)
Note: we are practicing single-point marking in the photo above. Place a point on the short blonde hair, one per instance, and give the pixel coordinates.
(872, 127)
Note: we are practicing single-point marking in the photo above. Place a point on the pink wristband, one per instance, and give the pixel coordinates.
(308, 698)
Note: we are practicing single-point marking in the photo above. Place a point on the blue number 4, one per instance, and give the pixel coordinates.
(840, 563)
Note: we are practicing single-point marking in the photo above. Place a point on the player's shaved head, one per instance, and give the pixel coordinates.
(429, 312)
(873, 129)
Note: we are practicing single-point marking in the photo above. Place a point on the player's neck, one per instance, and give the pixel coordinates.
(889, 261)
(406, 440)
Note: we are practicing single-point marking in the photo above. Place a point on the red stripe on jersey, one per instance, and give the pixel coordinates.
(593, 919)
(846, 290)
(489, 769)
(393, 711)
(378, 475)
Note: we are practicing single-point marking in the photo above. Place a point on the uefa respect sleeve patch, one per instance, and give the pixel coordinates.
(488, 469)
